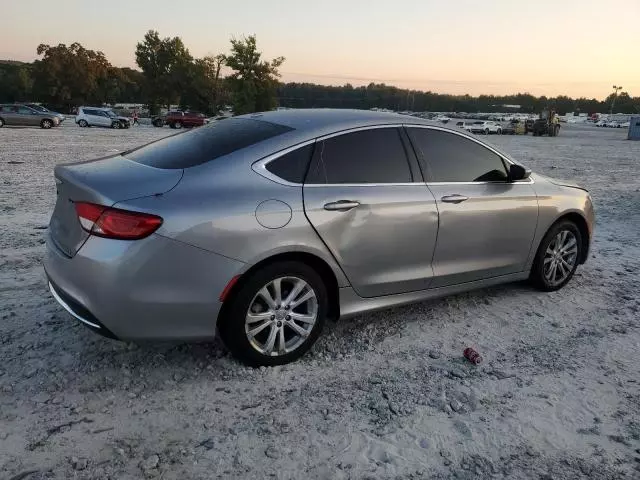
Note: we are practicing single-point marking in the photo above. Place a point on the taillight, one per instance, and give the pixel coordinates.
(116, 223)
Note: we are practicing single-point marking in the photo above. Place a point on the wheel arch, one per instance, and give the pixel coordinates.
(580, 222)
(318, 264)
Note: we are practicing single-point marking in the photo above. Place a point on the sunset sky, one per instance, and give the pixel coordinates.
(551, 47)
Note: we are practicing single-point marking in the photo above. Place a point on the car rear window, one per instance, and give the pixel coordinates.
(205, 143)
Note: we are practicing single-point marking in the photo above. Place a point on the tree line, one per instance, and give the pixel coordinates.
(307, 95)
(67, 76)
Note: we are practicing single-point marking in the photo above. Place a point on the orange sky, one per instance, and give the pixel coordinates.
(551, 47)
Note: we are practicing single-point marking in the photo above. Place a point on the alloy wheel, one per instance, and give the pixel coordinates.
(281, 316)
(560, 257)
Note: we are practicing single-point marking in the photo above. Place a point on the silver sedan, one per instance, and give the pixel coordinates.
(263, 226)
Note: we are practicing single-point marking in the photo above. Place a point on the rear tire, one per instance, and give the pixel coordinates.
(499, 132)
(565, 252)
(247, 301)
(46, 124)
(486, 131)
(83, 123)
(1, 123)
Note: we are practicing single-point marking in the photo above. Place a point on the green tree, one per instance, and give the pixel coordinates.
(70, 76)
(207, 88)
(254, 82)
(16, 81)
(167, 67)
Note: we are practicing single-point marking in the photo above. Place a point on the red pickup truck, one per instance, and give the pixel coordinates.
(178, 119)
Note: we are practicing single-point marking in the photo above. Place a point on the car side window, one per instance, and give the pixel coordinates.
(292, 166)
(368, 156)
(454, 158)
(24, 111)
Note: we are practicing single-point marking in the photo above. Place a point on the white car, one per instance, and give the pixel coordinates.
(100, 117)
(483, 127)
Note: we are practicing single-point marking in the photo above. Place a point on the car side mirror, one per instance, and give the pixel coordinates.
(518, 172)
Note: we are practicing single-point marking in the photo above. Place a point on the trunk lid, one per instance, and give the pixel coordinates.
(104, 181)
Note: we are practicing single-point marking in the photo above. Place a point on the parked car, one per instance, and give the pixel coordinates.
(263, 226)
(22, 115)
(484, 127)
(100, 117)
(179, 119)
(514, 127)
(42, 109)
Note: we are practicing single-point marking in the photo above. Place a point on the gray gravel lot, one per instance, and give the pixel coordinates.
(386, 395)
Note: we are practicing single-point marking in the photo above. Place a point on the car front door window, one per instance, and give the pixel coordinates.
(454, 158)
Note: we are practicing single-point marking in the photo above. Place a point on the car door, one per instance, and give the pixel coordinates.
(9, 114)
(487, 223)
(104, 118)
(366, 199)
(26, 116)
(91, 117)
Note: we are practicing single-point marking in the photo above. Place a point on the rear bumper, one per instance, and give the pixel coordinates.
(150, 289)
(78, 311)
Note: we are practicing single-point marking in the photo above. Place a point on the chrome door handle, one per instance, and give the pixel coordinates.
(454, 198)
(341, 205)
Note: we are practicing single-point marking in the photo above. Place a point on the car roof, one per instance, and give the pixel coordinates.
(315, 122)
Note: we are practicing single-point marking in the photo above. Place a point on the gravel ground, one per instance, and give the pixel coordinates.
(386, 395)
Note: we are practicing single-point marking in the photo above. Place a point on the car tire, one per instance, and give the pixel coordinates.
(177, 125)
(46, 124)
(247, 300)
(486, 131)
(564, 252)
(1, 123)
(115, 125)
(158, 122)
(499, 131)
(83, 123)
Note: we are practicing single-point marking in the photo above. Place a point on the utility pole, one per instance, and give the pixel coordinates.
(616, 89)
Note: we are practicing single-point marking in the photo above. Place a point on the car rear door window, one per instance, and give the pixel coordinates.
(368, 156)
(206, 143)
(292, 166)
(454, 158)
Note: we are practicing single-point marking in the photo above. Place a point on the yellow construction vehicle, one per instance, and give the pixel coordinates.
(547, 124)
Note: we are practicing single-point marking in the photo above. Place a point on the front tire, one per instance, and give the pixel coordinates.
(1, 123)
(115, 125)
(276, 315)
(177, 125)
(46, 124)
(486, 131)
(558, 257)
